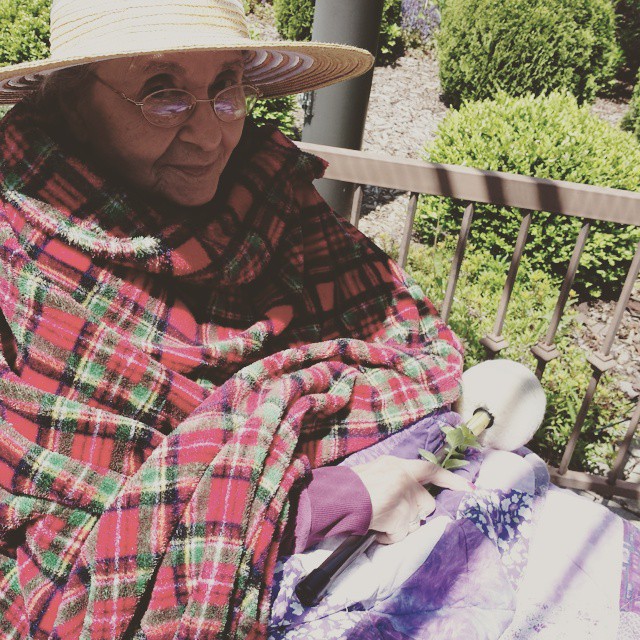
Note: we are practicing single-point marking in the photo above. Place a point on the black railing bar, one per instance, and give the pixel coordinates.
(580, 418)
(589, 482)
(512, 274)
(567, 283)
(454, 272)
(408, 229)
(623, 450)
(356, 206)
(545, 351)
(601, 361)
(623, 301)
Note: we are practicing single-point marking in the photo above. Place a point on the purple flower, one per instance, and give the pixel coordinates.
(420, 18)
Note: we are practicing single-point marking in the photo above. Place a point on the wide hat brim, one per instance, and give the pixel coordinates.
(277, 68)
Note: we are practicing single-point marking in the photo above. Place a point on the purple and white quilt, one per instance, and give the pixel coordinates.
(517, 559)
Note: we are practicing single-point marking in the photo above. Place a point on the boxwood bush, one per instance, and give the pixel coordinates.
(548, 137)
(278, 112)
(526, 46)
(631, 121)
(565, 380)
(24, 30)
(294, 21)
(251, 5)
(628, 22)
(294, 18)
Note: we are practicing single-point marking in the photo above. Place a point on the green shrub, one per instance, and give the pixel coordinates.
(294, 21)
(294, 18)
(391, 41)
(628, 22)
(278, 112)
(548, 137)
(631, 121)
(24, 30)
(565, 380)
(251, 5)
(526, 46)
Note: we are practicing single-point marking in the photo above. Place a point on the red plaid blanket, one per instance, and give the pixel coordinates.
(167, 376)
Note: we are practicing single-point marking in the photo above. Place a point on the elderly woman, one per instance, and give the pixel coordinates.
(200, 362)
(190, 337)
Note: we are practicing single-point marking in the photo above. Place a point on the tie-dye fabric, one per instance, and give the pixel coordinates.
(167, 376)
(516, 559)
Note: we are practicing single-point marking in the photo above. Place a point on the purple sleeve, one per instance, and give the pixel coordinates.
(335, 501)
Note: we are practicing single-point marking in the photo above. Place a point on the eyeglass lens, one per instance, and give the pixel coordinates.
(172, 107)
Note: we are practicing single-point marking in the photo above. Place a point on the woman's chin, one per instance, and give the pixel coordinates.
(191, 195)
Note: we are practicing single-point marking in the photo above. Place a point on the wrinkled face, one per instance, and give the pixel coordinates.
(180, 164)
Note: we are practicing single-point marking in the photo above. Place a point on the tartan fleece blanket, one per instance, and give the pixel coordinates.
(166, 377)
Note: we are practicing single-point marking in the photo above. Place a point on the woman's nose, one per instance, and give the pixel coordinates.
(203, 128)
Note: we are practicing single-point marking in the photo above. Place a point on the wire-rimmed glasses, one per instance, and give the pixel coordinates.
(172, 107)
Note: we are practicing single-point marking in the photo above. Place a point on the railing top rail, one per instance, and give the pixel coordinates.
(465, 183)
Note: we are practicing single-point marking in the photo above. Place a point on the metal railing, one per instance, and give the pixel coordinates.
(529, 194)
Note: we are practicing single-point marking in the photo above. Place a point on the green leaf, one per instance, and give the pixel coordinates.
(466, 432)
(455, 438)
(455, 464)
(469, 438)
(428, 456)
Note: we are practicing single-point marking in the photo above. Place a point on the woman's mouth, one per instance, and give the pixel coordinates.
(194, 170)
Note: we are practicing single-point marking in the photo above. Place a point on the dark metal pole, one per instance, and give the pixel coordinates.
(335, 115)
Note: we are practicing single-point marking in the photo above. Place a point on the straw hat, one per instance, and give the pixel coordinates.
(86, 31)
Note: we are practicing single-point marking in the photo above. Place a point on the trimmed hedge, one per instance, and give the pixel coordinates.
(278, 112)
(526, 46)
(294, 18)
(294, 21)
(628, 21)
(24, 30)
(251, 5)
(631, 121)
(548, 137)
(391, 42)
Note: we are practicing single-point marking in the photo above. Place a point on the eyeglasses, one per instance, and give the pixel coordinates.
(172, 107)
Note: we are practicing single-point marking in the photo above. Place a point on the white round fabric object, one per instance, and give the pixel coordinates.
(512, 394)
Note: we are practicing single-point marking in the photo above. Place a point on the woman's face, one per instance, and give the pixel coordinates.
(181, 164)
